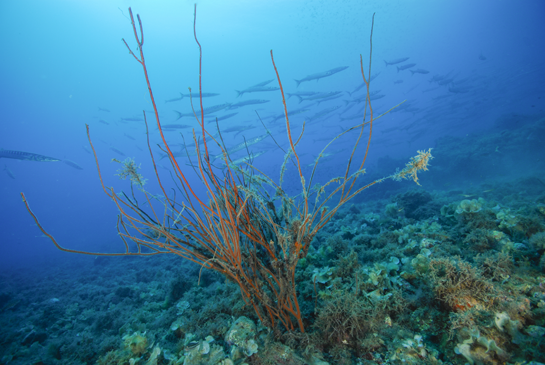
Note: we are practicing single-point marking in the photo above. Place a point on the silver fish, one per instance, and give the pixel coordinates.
(396, 61)
(117, 151)
(290, 113)
(404, 67)
(247, 102)
(438, 78)
(358, 88)
(238, 129)
(20, 155)
(9, 172)
(209, 110)
(174, 126)
(302, 93)
(223, 117)
(419, 71)
(445, 81)
(246, 158)
(72, 164)
(263, 83)
(249, 142)
(328, 99)
(319, 96)
(196, 95)
(321, 75)
(175, 99)
(181, 153)
(323, 113)
(376, 97)
(254, 89)
(373, 96)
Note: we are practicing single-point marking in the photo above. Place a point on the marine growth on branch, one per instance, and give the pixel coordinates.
(248, 228)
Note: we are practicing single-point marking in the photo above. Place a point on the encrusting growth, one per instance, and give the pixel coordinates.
(130, 170)
(418, 163)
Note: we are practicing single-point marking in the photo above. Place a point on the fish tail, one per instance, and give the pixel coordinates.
(182, 96)
(412, 72)
(298, 82)
(179, 114)
(239, 93)
(386, 63)
(300, 99)
(398, 69)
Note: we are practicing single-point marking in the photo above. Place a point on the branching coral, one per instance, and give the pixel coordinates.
(239, 227)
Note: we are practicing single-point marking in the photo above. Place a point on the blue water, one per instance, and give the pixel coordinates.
(63, 65)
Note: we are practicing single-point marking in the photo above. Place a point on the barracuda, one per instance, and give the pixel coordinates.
(321, 75)
(20, 155)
